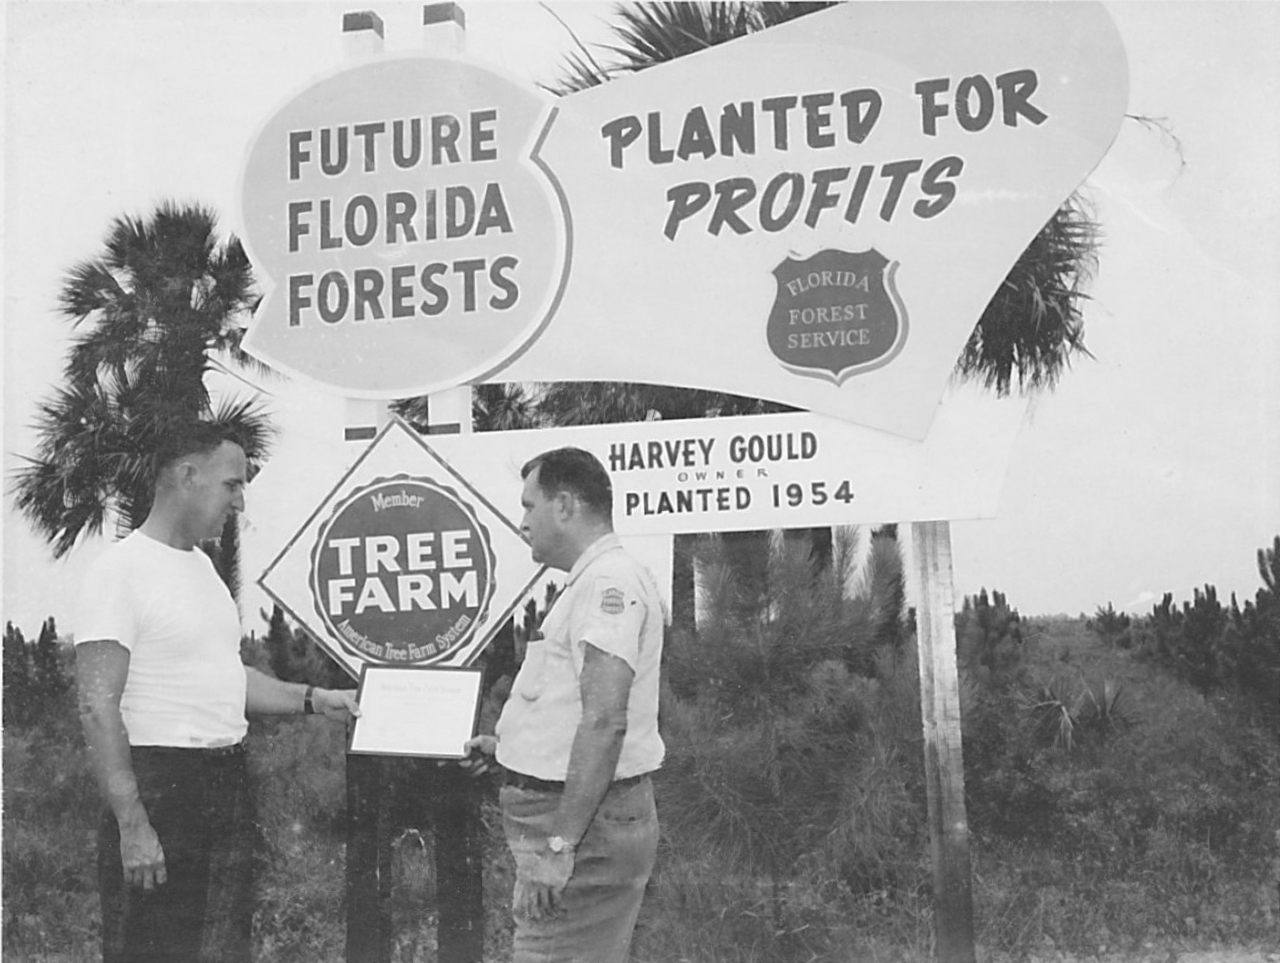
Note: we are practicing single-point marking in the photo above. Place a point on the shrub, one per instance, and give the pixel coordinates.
(989, 637)
(1070, 717)
(774, 762)
(36, 675)
(293, 656)
(1221, 648)
(19, 697)
(51, 809)
(1112, 627)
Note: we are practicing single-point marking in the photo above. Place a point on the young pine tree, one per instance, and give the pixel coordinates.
(766, 709)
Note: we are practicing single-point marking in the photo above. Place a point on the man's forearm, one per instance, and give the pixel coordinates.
(266, 695)
(593, 760)
(112, 763)
(605, 686)
(263, 694)
(102, 669)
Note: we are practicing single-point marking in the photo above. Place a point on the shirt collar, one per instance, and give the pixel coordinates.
(605, 543)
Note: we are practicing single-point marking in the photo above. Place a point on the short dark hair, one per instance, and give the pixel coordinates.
(577, 472)
(191, 436)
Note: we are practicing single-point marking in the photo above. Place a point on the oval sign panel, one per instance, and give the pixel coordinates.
(409, 235)
(402, 573)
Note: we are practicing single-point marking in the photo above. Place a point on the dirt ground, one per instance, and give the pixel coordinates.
(1155, 955)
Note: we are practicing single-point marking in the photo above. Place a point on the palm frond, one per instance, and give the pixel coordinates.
(1034, 325)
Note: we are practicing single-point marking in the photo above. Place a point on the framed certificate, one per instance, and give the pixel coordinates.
(411, 711)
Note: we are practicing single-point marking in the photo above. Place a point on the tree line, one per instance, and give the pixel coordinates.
(1232, 649)
(35, 676)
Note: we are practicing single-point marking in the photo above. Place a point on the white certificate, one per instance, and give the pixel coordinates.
(415, 711)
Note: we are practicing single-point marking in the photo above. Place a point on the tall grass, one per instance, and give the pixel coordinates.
(1161, 831)
(50, 828)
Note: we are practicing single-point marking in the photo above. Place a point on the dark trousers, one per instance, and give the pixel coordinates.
(199, 804)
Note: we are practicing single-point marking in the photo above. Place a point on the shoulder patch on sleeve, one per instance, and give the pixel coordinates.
(612, 601)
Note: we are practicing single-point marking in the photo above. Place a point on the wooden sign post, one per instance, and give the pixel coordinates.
(943, 758)
(384, 793)
(445, 796)
(367, 900)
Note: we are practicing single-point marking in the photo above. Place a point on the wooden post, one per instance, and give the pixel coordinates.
(368, 828)
(362, 40)
(368, 876)
(455, 798)
(446, 795)
(377, 787)
(943, 756)
(455, 811)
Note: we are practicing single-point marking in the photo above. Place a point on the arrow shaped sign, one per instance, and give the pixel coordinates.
(817, 213)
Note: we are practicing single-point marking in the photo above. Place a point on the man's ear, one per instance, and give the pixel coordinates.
(185, 473)
(566, 505)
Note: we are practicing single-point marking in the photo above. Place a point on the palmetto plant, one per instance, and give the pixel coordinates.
(1067, 719)
(156, 311)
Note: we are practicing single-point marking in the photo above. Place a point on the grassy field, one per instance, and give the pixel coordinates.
(1156, 827)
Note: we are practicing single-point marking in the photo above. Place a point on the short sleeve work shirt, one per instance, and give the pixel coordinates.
(610, 601)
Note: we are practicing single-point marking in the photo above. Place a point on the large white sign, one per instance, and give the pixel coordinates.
(816, 214)
(769, 471)
(406, 230)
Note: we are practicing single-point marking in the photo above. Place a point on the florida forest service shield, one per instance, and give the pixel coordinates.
(836, 314)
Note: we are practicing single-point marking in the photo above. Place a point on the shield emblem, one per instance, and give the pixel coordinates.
(836, 314)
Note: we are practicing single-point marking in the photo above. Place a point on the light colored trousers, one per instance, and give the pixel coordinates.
(611, 867)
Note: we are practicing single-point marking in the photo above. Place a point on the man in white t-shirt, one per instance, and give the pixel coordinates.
(578, 736)
(162, 697)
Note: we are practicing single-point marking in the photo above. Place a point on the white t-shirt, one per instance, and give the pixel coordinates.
(169, 608)
(610, 600)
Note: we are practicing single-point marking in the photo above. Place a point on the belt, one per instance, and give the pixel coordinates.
(207, 752)
(520, 781)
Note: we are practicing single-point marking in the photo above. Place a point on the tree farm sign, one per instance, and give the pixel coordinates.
(403, 562)
(814, 214)
(413, 558)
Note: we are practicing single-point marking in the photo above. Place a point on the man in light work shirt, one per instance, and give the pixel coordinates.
(162, 699)
(578, 736)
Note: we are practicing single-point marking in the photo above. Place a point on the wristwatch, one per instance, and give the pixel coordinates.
(559, 845)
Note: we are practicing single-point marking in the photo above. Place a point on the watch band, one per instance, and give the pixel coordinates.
(308, 707)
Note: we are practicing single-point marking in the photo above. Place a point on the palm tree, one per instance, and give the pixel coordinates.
(154, 313)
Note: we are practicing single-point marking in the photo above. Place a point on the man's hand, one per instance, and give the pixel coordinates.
(336, 704)
(142, 856)
(540, 885)
(479, 750)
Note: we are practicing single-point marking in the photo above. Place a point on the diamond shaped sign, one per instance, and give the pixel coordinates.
(403, 563)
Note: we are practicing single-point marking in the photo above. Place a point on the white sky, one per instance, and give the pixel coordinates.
(1155, 467)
